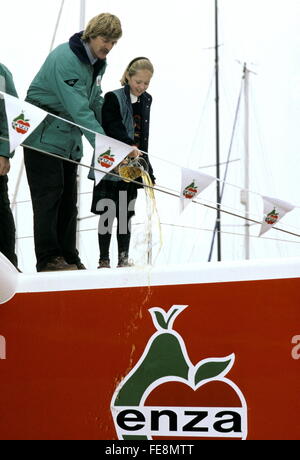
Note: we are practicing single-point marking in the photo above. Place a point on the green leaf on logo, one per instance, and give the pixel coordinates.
(161, 320)
(108, 152)
(20, 117)
(164, 320)
(211, 369)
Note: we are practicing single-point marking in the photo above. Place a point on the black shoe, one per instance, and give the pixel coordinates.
(124, 260)
(104, 263)
(80, 266)
(58, 264)
(76, 262)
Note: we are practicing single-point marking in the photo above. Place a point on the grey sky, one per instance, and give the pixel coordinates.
(177, 37)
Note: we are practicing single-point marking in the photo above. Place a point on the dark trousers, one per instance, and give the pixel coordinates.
(53, 188)
(7, 224)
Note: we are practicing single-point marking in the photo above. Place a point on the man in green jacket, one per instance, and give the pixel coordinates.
(7, 225)
(68, 85)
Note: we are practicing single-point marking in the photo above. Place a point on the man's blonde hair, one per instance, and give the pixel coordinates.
(106, 25)
(140, 63)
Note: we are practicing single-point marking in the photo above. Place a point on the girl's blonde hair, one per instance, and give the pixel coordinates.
(139, 63)
(106, 25)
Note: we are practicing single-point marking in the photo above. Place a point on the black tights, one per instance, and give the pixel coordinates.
(122, 238)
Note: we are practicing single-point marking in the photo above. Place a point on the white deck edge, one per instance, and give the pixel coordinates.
(215, 272)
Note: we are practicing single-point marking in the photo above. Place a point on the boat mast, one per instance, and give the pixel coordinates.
(245, 193)
(218, 197)
(82, 14)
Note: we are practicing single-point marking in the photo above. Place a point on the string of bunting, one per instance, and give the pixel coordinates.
(23, 118)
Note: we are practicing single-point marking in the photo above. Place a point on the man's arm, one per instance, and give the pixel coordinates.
(4, 166)
(75, 100)
(7, 86)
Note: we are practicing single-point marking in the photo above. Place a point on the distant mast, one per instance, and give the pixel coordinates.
(82, 14)
(218, 197)
(245, 193)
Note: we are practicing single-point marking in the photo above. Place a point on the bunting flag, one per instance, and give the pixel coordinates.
(274, 210)
(22, 119)
(193, 182)
(109, 153)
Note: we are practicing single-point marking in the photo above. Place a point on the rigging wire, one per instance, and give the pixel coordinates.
(208, 201)
(227, 165)
(174, 194)
(156, 188)
(17, 187)
(57, 25)
(218, 174)
(185, 227)
(201, 118)
(221, 164)
(154, 156)
(265, 160)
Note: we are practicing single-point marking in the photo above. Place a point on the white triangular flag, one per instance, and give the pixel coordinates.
(193, 182)
(22, 119)
(108, 154)
(274, 210)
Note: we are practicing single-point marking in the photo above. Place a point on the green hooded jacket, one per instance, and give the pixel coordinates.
(7, 86)
(69, 86)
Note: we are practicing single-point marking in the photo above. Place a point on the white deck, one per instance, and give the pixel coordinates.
(12, 282)
(216, 272)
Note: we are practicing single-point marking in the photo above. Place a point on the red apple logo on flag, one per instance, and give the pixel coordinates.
(272, 217)
(190, 191)
(106, 160)
(20, 124)
(166, 396)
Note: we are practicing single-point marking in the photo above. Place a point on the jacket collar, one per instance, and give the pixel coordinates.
(79, 50)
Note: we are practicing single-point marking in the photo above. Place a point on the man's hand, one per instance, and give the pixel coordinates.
(4, 166)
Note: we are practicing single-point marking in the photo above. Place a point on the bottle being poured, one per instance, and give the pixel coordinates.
(133, 168)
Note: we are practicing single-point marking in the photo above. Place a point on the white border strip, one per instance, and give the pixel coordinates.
(215, 272)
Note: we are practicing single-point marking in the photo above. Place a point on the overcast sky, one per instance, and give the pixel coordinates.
(179, 38)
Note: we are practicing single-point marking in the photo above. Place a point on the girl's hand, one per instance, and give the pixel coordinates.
(135, 153)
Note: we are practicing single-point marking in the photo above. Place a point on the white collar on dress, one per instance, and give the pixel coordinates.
(133, 98)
